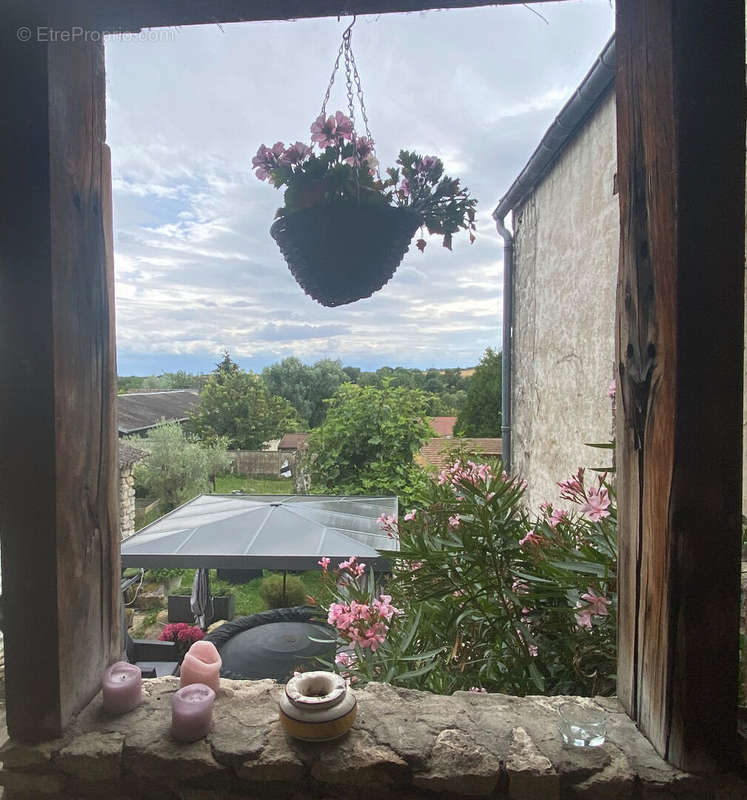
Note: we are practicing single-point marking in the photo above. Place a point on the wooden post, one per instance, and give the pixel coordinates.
(680, 318)
(58, 469)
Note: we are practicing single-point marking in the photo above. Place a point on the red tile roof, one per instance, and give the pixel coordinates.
(443, 426)
(293, 441)
(434, 451)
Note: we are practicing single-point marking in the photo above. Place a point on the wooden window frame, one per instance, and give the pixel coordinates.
(680, 333)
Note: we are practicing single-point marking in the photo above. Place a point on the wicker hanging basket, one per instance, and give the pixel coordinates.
(344, 252)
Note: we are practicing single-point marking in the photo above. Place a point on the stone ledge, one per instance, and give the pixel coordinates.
(405, 744)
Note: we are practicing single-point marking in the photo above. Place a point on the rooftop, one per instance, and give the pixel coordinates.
(443, 426)
(435, 451)
(141, 411)
(293, 441)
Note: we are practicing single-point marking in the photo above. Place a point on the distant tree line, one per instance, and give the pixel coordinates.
(249, 408)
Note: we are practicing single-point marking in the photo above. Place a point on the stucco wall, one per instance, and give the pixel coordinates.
(566, 254)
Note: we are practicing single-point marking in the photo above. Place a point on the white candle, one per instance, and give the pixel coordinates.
(122, 687)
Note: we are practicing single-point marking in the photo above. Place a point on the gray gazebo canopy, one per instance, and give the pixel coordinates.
(264, 531)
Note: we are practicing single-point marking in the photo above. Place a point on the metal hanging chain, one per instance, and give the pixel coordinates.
(351, 76)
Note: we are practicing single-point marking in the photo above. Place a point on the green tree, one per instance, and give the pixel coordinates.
(176, 468)
(305, 387)
(368, 440)
(237, 405)
(481, 415)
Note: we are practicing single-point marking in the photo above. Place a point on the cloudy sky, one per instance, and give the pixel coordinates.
(196, 268)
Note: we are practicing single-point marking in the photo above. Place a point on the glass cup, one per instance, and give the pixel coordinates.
(581, 726)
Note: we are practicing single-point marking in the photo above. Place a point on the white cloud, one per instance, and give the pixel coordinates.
(196, 268)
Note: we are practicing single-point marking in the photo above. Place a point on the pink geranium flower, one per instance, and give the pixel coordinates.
(427, 164)
(295, 153)
(267, 159)
(596, 505)
(343, 127)
(323, 132)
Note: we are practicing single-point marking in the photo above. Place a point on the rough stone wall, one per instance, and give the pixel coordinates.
(257, 462)
(404, 745)
(126, 502)
(566, 256)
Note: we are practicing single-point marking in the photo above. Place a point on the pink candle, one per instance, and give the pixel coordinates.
(192, 712)
(201, 665)
(122, 687)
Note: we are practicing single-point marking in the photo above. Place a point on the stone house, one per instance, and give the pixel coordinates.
(128, 457)
(565, 257)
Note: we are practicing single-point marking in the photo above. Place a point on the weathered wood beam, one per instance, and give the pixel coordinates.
(58, 469)
(680, 318)
(114, 15)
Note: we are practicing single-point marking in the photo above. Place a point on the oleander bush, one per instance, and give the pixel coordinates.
(484, 594)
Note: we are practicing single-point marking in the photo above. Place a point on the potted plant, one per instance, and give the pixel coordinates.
(343, 230)
(183, 634)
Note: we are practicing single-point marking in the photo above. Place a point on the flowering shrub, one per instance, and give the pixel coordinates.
(361, 618)
(344, 169)
(491, 596)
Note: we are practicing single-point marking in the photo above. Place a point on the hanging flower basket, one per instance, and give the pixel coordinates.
(343, 230)
(341, 253)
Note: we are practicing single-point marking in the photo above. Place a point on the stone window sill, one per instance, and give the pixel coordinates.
(405, 744)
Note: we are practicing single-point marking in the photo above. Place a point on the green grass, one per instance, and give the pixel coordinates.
(225, 484)
(248, 598)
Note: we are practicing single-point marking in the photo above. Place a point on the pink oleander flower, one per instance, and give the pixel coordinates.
(573, 488)
(596, 505)
(458, 475)
(454, 522)
(478, 690)
(389, 523)
(532, 537)
(597, 605)
(546, 507)
(383, 606)
(612, 391)
(295, 153)
(343, 127)
(415, 565)
(323, 563)
(519, 587)
(323, 131)
(404, 187)
(410, 516)
(533, 650)
(593, 606)
(344, 659)
(558, 515)
(360, 569)
(373, 637)
(349, 564)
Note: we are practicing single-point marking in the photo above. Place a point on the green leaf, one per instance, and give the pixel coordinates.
(537, 677)
(423, 656)
(584, 567)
